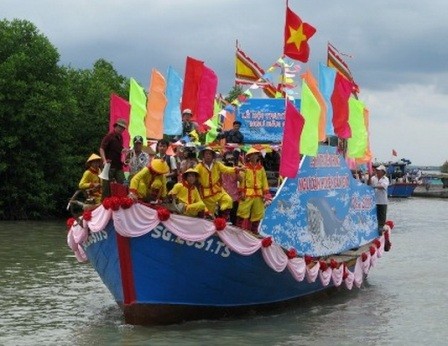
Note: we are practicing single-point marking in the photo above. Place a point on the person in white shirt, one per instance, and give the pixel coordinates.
(136, 158)
(380, 182)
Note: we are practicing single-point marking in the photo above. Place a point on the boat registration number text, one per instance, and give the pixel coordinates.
(212, 245)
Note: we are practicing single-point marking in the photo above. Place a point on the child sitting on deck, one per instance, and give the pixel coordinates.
(149, 184)
(187, 194)
(90, 181)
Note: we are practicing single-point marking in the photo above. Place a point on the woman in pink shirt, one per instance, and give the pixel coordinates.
(230, 184)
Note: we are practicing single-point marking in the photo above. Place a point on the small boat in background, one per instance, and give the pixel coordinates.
(401, 183)
(433, 185)
(401, 189)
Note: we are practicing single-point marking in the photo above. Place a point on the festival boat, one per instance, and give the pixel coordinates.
(319, 235)
(401, 185)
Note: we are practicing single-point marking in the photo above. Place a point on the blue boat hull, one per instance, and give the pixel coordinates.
(402, 190)
(159, 278)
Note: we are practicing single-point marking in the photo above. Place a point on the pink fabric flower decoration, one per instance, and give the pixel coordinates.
(266, 242)
(220, 223)
(163, 214)
(364, 257)
(292, 253)
(334, 264)
(87, 215)
(126, 202)
(107, 203)
(308, 259)
(323, 265)
(115, 203)
(377, 243)
(390, 224)
(70, 222)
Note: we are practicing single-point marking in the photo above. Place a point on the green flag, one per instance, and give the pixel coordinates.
(310, 110)
(213, 124)
(137, 100)
(357, 144)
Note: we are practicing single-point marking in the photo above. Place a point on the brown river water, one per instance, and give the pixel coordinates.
(48, 298)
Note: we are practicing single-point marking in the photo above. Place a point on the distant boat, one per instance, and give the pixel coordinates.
(401, 184)
(432, 185)
(401, 189)
(319, 233)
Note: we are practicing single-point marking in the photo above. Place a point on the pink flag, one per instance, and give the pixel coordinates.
(394, 152)
(206, 96)
(339, 100)
(119, 109)
(290, 158)
(192, 80)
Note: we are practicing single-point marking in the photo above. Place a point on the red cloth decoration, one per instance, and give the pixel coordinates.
(387, 236)
(115, 203)
(334, 264)
(297, 34)
(70, 222)
(112, 203)
(192, 81)
(87, 215)
(220, 223)
(339, 101)
(372, 250)
(364, 257)
(290, 158)
(126, 202)
(387, 245)
(390, 224)
(292, 253)
(323, 265)
(163, 214)
(206, 96)
(107, 203)
(308, 259)
(266, 242)
(377, 243)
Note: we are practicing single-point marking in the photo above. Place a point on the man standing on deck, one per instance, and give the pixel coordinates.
(210, 183)
(110, 151)
(380, 182)
(233, 136)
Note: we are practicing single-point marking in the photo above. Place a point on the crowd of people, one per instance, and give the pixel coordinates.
(198, 181)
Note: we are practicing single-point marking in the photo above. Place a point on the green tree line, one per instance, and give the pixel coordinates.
(52, 118)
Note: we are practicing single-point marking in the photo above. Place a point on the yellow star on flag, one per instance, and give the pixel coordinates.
(296, 36)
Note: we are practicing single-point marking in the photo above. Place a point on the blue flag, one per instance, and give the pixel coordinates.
(172, 120)
(327, 75)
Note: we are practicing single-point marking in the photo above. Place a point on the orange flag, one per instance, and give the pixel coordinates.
(155, 107)
(297, 34)
(312, 84)
(228, 121)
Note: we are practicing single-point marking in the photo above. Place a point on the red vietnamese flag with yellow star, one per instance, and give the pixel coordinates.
(297, 34)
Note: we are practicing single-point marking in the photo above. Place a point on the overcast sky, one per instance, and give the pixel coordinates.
(399, 49)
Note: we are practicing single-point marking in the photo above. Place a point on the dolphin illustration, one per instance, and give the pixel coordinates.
(322, 220)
